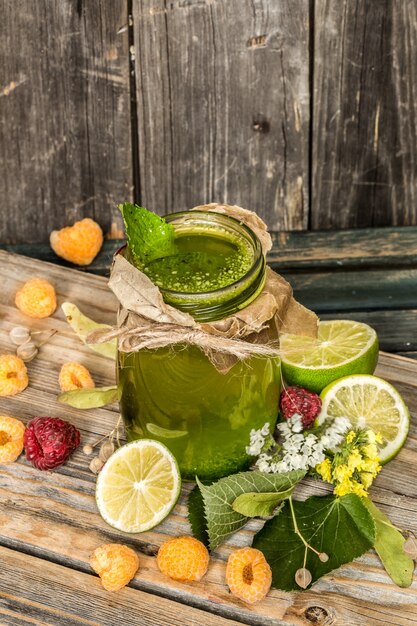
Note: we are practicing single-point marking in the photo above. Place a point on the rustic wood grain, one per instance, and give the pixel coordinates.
(51, 594)
(52, 515)
(223, 105)
(65, 131)
(364, 153)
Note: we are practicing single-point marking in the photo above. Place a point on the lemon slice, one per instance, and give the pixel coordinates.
(369, 402)
(138, 486)
(342, 347)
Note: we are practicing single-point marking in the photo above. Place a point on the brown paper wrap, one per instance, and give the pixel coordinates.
(145, 321)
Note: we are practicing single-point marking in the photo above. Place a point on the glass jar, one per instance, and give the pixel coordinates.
(175, 394)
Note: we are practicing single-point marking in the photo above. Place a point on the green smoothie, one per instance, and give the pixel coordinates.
(203, 260)
(212, 267)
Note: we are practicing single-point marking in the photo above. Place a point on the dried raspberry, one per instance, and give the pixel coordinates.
(79, 243)
(116, 565)
(248, 575)
(183, 558)
(301, 401)
(36, 298)
(11, 438)
(74, 376)
(13, 375)
(49, 441)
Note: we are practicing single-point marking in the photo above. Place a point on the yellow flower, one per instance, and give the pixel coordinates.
(373, 437)
(371, 466)
(350, 436)
(343, 488)
(342, 473)
(349, 486)
(325, 470)
(354, 460)
(358, 488)
(366, 479)
(371, 451)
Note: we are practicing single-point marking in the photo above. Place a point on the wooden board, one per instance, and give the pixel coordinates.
(65, 129)
(50, 521)
(364, 158)
(223, 105)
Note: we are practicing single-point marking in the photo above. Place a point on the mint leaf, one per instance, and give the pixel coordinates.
(218, 499)
(148, 235)
(343, 528)
(89, 398)
(389, 545)
(255, 504)
(196, 516)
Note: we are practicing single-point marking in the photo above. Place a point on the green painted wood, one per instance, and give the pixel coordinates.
(356, 290)
(356, 248)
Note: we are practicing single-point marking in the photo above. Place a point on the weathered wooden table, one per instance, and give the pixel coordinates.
(49, 523)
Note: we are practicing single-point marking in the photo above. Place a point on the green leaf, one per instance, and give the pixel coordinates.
(255, 504)
(148, 235)
(389, 544)
(83, 326)
(196, 516)
(342, 528)
(89, 398)
(218, 499)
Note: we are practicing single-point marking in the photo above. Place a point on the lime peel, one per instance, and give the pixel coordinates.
(342, 347)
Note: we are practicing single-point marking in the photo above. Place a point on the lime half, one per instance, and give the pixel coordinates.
(369, 402)
(341, 348)
(138, 486)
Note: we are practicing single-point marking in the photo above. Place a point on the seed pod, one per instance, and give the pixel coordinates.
(323, 557)
(106, 450)
(96, 465)
(27, 351)
(19, 335)
(410, 547)
(303, 577)
(88, 449)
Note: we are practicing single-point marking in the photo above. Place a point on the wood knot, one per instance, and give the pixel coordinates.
(261, 126)
(259, 41)
(318, 615)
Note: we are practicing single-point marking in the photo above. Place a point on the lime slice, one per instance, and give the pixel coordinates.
(165, 433)
(138, 486)
(369, 402)
(342, 347)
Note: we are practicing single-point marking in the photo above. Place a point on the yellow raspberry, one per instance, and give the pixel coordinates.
(79, 243)
(183, 558)
(116, 565)
(13, 375)
(11, 438)
(36, 298)
(248, 575)
(75, 376)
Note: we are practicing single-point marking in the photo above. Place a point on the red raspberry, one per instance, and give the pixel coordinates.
(301, 401)
(49, 441)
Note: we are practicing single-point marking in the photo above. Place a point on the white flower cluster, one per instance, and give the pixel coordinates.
(257, 440)
(297, 450)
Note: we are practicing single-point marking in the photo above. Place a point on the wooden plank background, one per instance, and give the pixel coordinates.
(303, 110)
